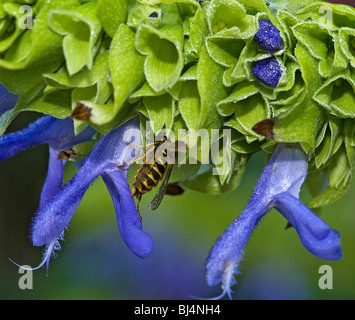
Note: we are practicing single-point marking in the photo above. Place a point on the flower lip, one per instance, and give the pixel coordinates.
(57, 133)
(111, 150)
(278, 187)
(268, 37)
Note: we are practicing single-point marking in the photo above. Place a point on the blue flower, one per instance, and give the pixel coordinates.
(267, 71)
(58, 134)
(112, 150)
(278, 187)
(7, 99)
(268, 37)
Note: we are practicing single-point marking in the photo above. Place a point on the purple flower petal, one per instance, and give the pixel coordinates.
(279, 187)
(268, 37)
(54, 179)
(112, 150)
(267, 71)
(129, 223)
(53, 217)
(57, 133)
(315, 234)
(227, 253)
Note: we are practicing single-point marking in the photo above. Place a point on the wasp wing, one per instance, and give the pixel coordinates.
(161, 192)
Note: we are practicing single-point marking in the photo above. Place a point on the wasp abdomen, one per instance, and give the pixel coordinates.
(148, 178)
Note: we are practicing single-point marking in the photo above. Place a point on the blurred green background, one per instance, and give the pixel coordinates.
(94, 263)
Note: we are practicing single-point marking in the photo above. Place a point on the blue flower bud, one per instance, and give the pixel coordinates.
(267, 71)
(268, 37)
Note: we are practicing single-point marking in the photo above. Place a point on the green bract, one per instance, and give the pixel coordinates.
(187, 64)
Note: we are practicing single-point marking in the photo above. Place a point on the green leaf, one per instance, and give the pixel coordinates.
(23, 100)
(323, 45)
(291, 92)
(163, 48)
(241, 91)
(37, 51)
(82, 33)
(340, 175)
(205, 181)
(254, 6)
(88, 86)
(225, 48)
(139, 14)
(191, 3)
(303, 121)
(111, 14)
(110, 123)
(56, 103)
(211, 90)
(350, 150)
(198, 30)
(249, 107)
(190, 104)
(347, 43)
(227, 14)
(223, 160)
(337, 95)
(329, 15)
(314, 38)
(86, 78)
(326, 149)
(128, 76)
(9, 30)
(161, 111)
(245, 147)
(249, 138)
(144, 91)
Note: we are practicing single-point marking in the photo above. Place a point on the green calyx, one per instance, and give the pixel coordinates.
(184, 64)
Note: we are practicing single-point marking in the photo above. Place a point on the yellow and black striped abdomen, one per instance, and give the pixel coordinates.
(148, 176)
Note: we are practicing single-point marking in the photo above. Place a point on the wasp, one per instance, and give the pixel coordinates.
(150, 173)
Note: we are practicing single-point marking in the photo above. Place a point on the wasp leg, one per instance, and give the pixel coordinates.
(135, 146)
(140, 158)
(139, 197)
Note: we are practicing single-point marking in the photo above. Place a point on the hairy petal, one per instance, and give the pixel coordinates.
(285, 171)
(279, 187)
(57, 133)
(129, 223)
(54, 179)
(315, 234)
(110, 151)
(15, 142)
(53, 217)
(228, 249)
